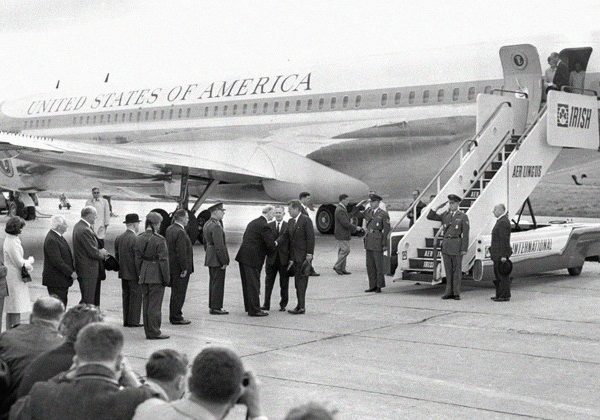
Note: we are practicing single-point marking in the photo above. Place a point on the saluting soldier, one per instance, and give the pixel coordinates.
(378, 227)
(152, 260)
(455, 225)
(216, 258)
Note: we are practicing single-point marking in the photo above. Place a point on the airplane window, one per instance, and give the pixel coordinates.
(74, 120)
(225, 110)
(321, 103)
(345, 102)
(80, 120)
(187, 113)
(333, 101)
(471, 94)
(131, 116)
(147, 115)
(287, 106)
(49, 122)
(235, 109)
(94, 120)
(206, 111)
(384, 98)
(397, 98)
(37, 123)
(31, 124)
(87, 119)
(455, 94)
(298, 105)
(43, 123)
(180, 113)
(254, 108)
(245, 109)
(215, 111)
(102, 118)
(357, 101)
(309, 105)
(488, 89)
(275, 106)
(425, 96)
(162, 114)
(139, 116)
(411, 97)
(265, 107)
(108, 118)
(24, 124)
(441, 95)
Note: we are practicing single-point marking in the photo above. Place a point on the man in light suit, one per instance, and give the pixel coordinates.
(300, 236)
(216, 258)
(102, 215)
(125, 254)
(181, 264)
(58, 274)
(500, 251)
(88, 257)
(343, 233)
(277, 263)
(257, 242)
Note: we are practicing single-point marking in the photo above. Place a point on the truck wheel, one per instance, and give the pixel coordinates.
(325, 219)
(575, 271)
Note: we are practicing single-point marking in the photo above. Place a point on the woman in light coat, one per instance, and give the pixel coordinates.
(17, 301)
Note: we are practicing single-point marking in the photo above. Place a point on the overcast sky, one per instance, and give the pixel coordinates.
(79, 41)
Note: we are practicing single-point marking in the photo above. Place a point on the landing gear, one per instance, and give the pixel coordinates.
(575, 271)
(326, 218)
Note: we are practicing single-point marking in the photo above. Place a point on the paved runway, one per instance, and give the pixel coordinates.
(403, 353)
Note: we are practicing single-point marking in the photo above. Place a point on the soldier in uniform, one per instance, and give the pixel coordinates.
(216, 259)
(378, 228)
(152, 261)
(455, 225)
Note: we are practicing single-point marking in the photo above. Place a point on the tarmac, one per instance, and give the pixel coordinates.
(404, 353)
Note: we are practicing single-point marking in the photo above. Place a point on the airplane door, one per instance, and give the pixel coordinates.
(570, 56)
(523, 73)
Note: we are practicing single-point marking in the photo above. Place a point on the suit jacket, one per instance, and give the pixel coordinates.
(125, 255)
(94, 394)
(282, 251)
(184, 408)
(18, 347)
(377, 229)
(152, 259)
(561, 76)
(46, 366)
(85, 249)
(300, 237)
(215, 246)
(181, 255)
(456, 231)
(58, 261)
(343, 227)
(257, 242)
(500, 247)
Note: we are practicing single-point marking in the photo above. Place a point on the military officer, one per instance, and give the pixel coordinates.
(152, 261)
(455, 225)
(378, 227)
(216, 259)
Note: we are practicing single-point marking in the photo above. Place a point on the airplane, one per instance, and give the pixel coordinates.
(381, 123)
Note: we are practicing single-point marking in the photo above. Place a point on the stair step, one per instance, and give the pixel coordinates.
(418, 263)
(508, 147)
(427, 253)
(473, 193)
(496, 165)
(435, 231)
(489, 174)
(506, 155)
(463, 209)
(429, 242)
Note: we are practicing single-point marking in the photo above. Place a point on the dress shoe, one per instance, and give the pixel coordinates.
(158, 337)
(282, 309)
(494, 297)
(502, 300)
(346, 272)
(314, 274)
(182, 321)
(340, 272)
(265, 308)
(372, 289)
(456, 297)
(378, 290)
(258, 314)
(133, 325)
(445, 297)
(218, 312)
(297, 311)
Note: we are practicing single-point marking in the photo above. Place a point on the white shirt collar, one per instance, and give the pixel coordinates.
(182, 227)
(131, 230)
(86, 222)
(57, 232)
(503, 214)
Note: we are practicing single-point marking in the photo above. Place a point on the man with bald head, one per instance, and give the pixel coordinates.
(500, 252)
(59, 273)
(88, 256)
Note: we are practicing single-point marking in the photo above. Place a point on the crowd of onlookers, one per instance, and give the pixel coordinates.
(71, 366)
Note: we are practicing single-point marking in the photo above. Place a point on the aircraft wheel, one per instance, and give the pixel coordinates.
(575, 271)
(326, 219)
(192, 227)
(203, 217)
(166, 222)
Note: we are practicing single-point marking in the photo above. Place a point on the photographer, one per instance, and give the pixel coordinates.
(217, 382)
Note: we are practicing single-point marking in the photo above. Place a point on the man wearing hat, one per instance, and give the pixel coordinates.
(216, 258)
(125, 255)
(152, 263)
(500, 251)
(378, 227)
(455, 225)
(181, 264)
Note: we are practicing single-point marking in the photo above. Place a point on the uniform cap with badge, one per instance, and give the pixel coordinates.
(215, 207)
(454, 198)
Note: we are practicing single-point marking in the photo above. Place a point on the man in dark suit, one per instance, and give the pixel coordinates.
(500, 251)
(181, 264)
(58, 274)
(419, 206)
(257, 242)
(277, 264)
(95, 392)
(216, 258)
(306, 200)
(125, 254)
(300, 236)
(562, 74)
(343, 233)
(87, 257)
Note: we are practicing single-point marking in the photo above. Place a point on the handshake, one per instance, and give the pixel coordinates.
(360, 231)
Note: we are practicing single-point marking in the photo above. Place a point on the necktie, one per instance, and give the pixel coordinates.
(278, 227)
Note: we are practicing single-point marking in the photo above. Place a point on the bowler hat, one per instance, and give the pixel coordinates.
(111, 263)
(154, 218)
(306, 268)
(455, 198)
(217, 206)
(375, 197)
(132, 218)
(505, 267)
